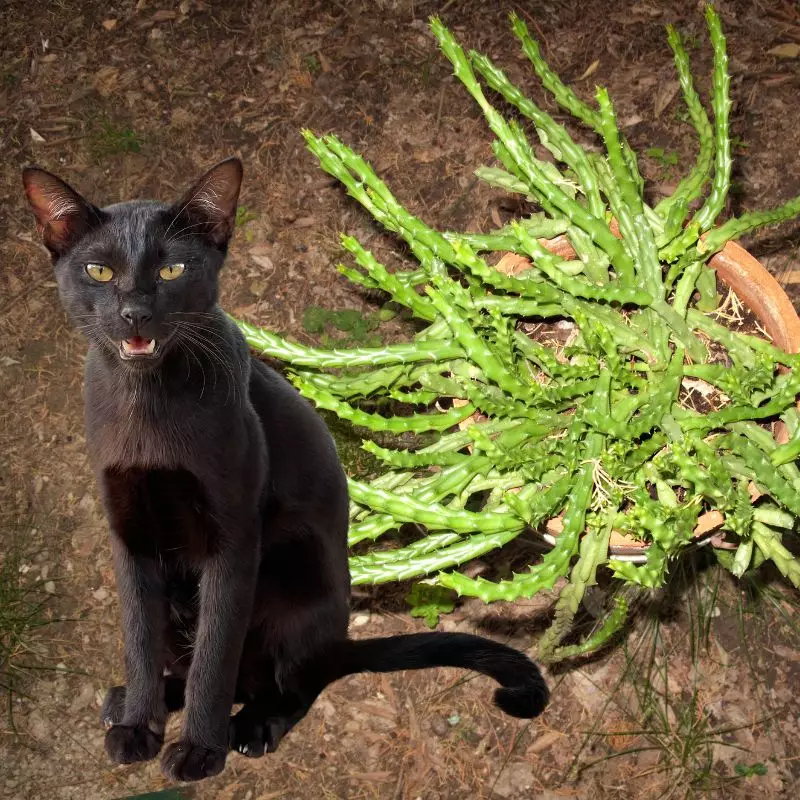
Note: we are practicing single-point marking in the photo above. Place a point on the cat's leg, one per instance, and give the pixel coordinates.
(301, 605)
(139, 733)
(113, 710)
(263, 721)
(227, 585)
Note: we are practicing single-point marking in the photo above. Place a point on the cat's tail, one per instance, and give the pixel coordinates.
(523, 691)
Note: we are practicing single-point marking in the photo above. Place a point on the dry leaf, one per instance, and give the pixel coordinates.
(664, 97)
(263, 261)
(630, 121)
(788, 50)
(105, 81)
(323, 61)
(109, 24)
(257, 287)
(512, 264)
(36, 137)
(590, 70)
(790, 278)
(164, 15)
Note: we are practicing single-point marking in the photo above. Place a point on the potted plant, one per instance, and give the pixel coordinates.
(587, 384)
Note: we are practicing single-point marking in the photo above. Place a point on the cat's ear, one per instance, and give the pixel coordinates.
(62, 215)
(211, 203)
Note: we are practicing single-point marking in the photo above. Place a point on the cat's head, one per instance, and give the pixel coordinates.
(132, 275)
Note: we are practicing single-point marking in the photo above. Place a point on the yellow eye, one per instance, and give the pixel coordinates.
(171, 272)
(100, 273)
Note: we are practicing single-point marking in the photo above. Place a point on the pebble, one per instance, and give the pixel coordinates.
(360, 619)
(515, 780)
(439, 726)
(50, 587)
(100, 594)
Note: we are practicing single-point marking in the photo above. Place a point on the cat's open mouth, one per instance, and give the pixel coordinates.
(137, 347)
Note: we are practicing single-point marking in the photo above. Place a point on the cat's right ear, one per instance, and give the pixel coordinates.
(210, 205)
(62, 215)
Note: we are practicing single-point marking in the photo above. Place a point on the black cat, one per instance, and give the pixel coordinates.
(225, 497)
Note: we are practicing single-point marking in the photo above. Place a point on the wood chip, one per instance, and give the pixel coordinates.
(590, 70)
(788, 50)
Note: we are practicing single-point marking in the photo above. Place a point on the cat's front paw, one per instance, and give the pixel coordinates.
(113, 706)
(184, 761)
(127, 744)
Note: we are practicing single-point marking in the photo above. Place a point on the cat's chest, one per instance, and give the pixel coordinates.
(128, 431)
(134, 441)
(160, 512)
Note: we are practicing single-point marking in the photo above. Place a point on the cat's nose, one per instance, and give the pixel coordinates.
(135, 315)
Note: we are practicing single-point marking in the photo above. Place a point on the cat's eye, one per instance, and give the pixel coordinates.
(172, 271)
(99, 273)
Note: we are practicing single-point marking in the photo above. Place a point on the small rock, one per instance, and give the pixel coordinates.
(50, 587)
(515, 780)
(84, 699)
(100, 594)
(439, 726)
(359, 620)
(37, 726)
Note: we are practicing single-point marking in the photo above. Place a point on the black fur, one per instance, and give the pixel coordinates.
(225, 497)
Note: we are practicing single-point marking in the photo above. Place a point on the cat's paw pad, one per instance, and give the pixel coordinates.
(254, 738)
(127, 744)
(113, 709)
(184, 761)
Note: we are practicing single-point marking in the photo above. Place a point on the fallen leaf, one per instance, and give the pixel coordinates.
(778, 80)
(257, 287)
(788, 50)
(665, 96)
(590, 70)
(543, 742)
(36, 137)
(323, 61)
(109, 24)
(105, 81)
(304, 222)
(264, 261)
(791, 277)
(512, 264)
(164, 15)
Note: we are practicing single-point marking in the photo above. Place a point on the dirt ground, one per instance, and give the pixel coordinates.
(133, 99)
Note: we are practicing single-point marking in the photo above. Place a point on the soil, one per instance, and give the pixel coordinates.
(128, 99)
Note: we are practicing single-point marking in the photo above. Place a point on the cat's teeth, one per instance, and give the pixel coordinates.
(138, 346)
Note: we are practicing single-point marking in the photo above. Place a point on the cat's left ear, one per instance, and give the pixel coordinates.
(62, 215)
(211, 203)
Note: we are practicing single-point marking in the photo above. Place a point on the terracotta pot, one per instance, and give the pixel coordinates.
(765, 298)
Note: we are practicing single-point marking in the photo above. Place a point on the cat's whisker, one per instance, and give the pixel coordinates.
(175, 235)
(215, 354)
(188, 350)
